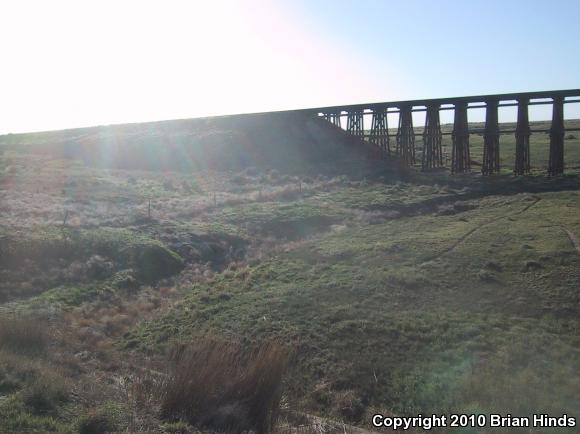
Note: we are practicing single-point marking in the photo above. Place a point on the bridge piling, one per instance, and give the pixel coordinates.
(333, 118)
(432, 138)
(491, 162)
(404, 147)
(556, 163)
(460, 159)
(379, 134)
(406, 136)
(522, 161)
(355, 123)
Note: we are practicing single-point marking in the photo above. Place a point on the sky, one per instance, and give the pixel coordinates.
(74, 63)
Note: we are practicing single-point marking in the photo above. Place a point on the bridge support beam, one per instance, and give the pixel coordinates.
(491, 139)
(333, 118)
(406, 136)
(556, 164)
(379, 134)
(355, 123)
(432, 138)
(460, 160)
(522, 162)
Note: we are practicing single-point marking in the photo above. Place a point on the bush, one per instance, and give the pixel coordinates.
(25, 335)
(178, 427)
(109, 417)
(153, 261)
(46, 393)
(96, 422)
(225, 386)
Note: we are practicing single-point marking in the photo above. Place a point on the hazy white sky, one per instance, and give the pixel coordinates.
(70, 63)
(76, 63)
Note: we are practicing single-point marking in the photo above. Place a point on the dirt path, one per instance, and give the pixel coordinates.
(479, 227)
(572, 238)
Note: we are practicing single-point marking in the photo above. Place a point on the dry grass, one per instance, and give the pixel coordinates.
(24, 335)
(225, 385)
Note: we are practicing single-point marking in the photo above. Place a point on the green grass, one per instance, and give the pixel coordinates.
(16, 417)
(400, 313)
(47, 245)
(539, 146)
(425, 294)
(380, 196)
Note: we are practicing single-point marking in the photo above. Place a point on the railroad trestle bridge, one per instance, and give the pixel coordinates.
(403, 143)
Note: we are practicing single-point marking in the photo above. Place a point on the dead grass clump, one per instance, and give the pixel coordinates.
(225, 386)
(25, 335)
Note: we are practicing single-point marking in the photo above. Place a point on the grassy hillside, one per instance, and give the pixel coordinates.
(285, 141)
(473, 307)
(396, 292)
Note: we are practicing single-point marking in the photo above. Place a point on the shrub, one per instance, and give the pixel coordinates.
(109, 417)
(46, 393)
(153, 261)
(26, 335)
(225, 386)
(96, 422)
(178, 427)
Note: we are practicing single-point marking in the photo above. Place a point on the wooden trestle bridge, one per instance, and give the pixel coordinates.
(432, 155)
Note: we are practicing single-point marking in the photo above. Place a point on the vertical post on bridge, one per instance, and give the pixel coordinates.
(354, 123)
(432, 138)
(335, 119)
(460, 161)
(379, 134)
(522, 162)
(406, 136)
(556, 165)
(491, 139)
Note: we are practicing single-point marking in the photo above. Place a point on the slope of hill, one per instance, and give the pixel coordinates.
(285, 141)
(398, 293)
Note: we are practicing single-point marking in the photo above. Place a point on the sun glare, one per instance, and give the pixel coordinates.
(78, 63)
